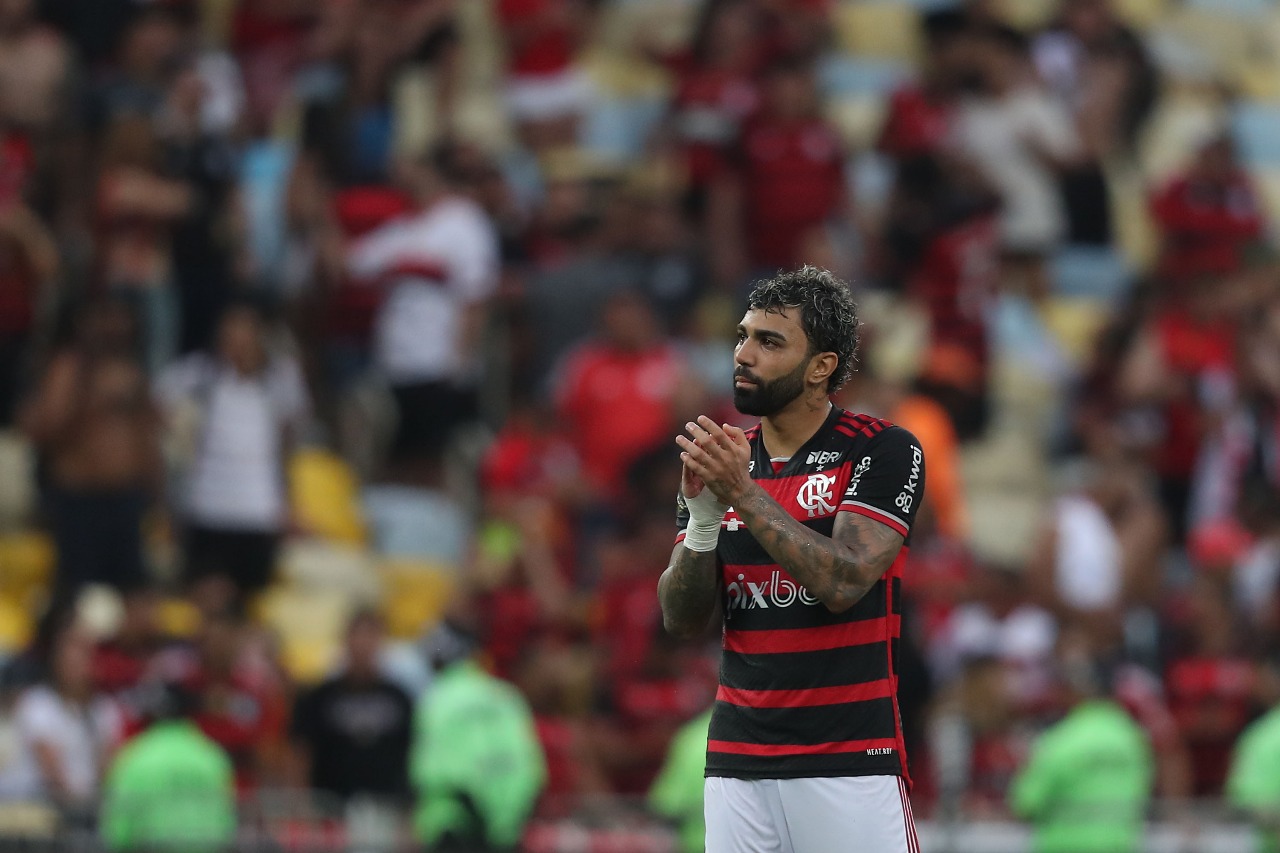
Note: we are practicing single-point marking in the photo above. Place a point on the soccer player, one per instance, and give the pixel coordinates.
(798, 528)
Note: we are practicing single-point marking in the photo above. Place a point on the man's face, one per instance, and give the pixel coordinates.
(770, 361)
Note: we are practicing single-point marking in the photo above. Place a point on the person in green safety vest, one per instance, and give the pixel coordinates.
(676, 793)
(476, 764)
(1253, 783)
(1088, 781)
(170, 789)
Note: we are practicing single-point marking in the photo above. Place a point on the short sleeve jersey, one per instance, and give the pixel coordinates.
(803, 691)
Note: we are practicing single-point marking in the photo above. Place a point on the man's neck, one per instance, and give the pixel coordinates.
(787, 431)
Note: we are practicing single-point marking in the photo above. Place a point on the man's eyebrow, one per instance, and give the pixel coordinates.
(763, 333)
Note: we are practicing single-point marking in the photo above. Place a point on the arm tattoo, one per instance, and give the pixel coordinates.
(837, 571)
(688, 591)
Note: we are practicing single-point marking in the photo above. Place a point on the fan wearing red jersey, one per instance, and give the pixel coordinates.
(798, 529)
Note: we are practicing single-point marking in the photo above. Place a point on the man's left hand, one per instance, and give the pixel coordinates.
(719, 455)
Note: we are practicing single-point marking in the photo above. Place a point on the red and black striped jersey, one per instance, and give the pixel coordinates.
(804, 691)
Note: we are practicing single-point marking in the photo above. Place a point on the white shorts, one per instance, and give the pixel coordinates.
(869, 814)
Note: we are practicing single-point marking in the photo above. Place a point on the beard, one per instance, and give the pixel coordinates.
(768, 398)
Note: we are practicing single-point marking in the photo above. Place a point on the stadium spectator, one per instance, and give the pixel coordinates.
(1100, 71)
(1099, 67)
(236, 706)
(620, 393)
(92, 420)
(1176, 371)
(476, 764)
(1210, 217)
(783, 180)
(194, 125)
(66, 732)
(35, 72)
(546, 92)
(1240, 457)
(716, 90)
(136, 212)
(1088, 780)
(921, 114)
(1098, 554)
(121, 661)
(940, 248)
(352, 120)
(352, 731)
(239, 411)
(28, 265)
(1003, 623)
(1214, 686)
(438, 266)
(974, 743)
(134, 81)
(170, 789)
(1020, 139)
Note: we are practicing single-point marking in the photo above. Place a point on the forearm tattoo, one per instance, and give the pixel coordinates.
(838, 571)
(687, 591)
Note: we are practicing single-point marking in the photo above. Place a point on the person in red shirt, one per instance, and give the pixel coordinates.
(920, 112)
(1210, 216)
(1180, 363)
(121, 662)
(238, 707)
(716, 90)
(783, 182)
(546, 93)
(619, 394)
(1213, 686)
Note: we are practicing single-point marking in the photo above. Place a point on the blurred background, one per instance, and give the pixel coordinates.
(343, 343)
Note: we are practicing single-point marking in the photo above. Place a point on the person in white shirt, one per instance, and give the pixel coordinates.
(1020, 138)
(243, 408)
(63, 732)
(439, 266)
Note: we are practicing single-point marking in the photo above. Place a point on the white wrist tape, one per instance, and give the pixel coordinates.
(702, 535)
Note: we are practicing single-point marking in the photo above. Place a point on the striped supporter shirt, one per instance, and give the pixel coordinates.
(804, 691)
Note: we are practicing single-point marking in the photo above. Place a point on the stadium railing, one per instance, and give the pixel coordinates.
(310, 822)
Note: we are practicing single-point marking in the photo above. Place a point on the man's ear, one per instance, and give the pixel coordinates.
(821, 367)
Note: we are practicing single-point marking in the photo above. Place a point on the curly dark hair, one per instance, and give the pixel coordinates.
(828, 314)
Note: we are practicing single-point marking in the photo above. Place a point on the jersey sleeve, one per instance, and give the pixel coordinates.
(888, 481)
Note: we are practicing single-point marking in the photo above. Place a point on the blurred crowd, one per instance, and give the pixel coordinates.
(334, 332)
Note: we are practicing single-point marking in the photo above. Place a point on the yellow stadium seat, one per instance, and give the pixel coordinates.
(326, 496)
(417, 593)
(178, 618)
(1074, 323)
(26, 565)
(310, 624)
(15, 626)
(317, 564)
(879, 30)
